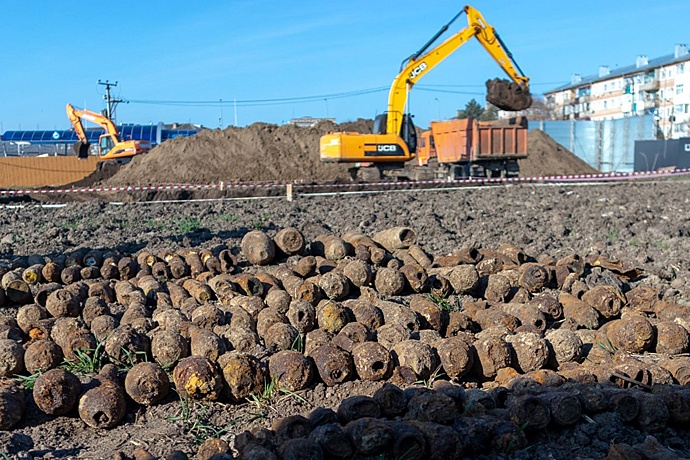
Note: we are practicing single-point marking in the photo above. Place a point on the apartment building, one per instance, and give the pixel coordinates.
(660, 87)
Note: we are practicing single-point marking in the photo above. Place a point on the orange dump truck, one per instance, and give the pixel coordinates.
(469, 148)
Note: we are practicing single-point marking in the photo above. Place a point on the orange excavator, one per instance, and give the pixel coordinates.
(110, 145)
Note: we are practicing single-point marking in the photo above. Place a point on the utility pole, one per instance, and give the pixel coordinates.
(110, 102)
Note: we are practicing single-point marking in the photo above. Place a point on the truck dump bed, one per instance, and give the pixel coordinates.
(466, 140)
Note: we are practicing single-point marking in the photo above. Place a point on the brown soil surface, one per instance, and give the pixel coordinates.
(645, 223)
(546, 157)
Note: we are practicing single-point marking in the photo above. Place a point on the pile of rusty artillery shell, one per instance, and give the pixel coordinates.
(280, 308)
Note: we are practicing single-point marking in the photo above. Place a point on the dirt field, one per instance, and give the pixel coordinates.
(646, 224)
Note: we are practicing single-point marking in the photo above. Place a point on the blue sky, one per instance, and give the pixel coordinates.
(166, 54)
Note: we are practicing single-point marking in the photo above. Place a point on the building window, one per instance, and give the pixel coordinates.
(680, 68)
(679, 88)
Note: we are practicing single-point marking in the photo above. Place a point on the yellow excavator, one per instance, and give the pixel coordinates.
(394, 138)
(110, 145)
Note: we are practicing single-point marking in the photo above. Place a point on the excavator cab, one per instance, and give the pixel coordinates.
(105, 144)
(408, 133)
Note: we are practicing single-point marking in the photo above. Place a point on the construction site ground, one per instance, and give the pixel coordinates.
(646, 223)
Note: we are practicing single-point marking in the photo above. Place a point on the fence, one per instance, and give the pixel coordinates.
(607, 145)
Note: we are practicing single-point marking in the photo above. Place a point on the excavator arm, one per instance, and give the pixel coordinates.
(501, 93)
(81, 148)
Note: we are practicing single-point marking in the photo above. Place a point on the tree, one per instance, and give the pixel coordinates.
(472, 110)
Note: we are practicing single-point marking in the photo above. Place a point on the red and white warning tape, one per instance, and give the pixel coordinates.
(267, 185)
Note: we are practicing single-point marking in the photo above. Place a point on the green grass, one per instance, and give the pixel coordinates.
(268, 396)
(612, 234)
(298, 344)
(227, 218)
(194, 420)
(88, 361)
(188, 224)
(442, 302)
(429, 383)
(27, 381)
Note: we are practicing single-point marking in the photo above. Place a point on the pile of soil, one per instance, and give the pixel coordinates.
(265, 152)
(546, 157)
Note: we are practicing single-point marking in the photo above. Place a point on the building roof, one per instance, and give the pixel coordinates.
(623, 71)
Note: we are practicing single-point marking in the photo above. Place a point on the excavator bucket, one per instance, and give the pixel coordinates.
(81, 149)
(507, 95)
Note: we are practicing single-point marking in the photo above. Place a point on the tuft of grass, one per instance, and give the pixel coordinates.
(298, 344)
(228, 218)
(27, 381)
(429, 383)
(194, 420)
(607, 346)
(612, 234)
(188, 224)
(131, 359)
(270, 393)
(442, 302)
(89, 361)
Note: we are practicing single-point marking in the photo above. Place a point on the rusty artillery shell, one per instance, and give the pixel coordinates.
(351, 334)
(41, 293)
(42, 355)
(395, 238)
(677, 401)
(415, 276)
(176, 266)
(389, 281)
(126, 293)
(16, 289)
(358, 272)
(369, 435)
(258, 248)
(90, 273)
(624, 402)
(147, 383)
(335, 285)
(125, 345)
(357, 407)
(102, 326)
(366, 313)
(653, 415)
(281, 336)
(135, 312)
(333, 440)
(642, 299)
(168, 346)
(267, 318)
(292, 370)
(11, 358)
(56, 391)
(440, 286)
(279, 299)
(290, 241)
(565, 346)
(302, 315)
(408, 441)
(331, 316)
(102, 290)
(632, 333)
(333, 364)
(197, 378)
(391, 399)
(309, 291)
(93, 258)
(29, 315)
(299, 448)
(103, 406)
(488, 317)
(442, 442)
(679, 367)
(243, 375)
(671, 338)
(569, 264)
(530, 316)
(565, 408)
(498, 288)
(201, 292)
(109, 270)
(315, 338)
(463, 278)
(51, 272)
(432, 406)
(11, 404)
(391, 334)
(549, 305)
(493, 353)
(530, 410)
(252, 305)
(127, 267)
(228, 261)
(607, 300)
(578, 311)
(213, 448)
(395, 313)
(456, 355)
(419, 255)
(531, 351)
(203, 342)
(331, 247)
(71, 274)
(305, 266)
(534, 277)
(62, 302)
(160, 271)
(248, 284)
(33, 274)
(223, 288)
(418, 356)
(372, 361)
(515, 254)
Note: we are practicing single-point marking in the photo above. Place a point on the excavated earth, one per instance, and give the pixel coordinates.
(644, 224)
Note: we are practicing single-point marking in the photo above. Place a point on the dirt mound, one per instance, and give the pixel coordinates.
(546, 157)
(259, 152)
(266, 152)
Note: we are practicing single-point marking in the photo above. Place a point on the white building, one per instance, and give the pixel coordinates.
(660, 87)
